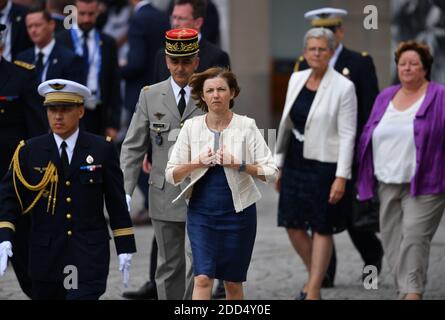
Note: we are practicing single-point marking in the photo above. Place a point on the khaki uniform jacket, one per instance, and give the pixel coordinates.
(156, 118)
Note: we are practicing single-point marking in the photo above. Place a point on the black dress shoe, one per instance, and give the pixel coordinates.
(146, 292)
(220, 291)
(302, 295)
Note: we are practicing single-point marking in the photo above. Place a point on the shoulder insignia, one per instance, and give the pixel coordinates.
(24, 65)
(108, 138)
(365, 54)
(145, 88)
(297, 64)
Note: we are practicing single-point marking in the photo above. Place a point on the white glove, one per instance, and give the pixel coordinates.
(124, 267)
(5, 252)
(128, 198)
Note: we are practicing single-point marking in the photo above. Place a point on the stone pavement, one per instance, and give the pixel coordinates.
(276, 272)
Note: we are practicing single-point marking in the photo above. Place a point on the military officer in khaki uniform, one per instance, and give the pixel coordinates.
(160, 112)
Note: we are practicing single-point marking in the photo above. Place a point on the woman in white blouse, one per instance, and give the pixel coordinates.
(220, 152)
(314, 151)
(402, 154)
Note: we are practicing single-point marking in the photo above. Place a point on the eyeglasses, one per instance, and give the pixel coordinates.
(317, 50)
(180, 19)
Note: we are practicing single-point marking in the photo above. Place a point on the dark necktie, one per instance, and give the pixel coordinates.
(65, 161)
(39, 65)
(181, 104)
(86, 53)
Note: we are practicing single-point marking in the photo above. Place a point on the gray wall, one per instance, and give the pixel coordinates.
(256, 32)
(288, 25)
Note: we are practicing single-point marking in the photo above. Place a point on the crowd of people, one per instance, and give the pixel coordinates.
(155, 86)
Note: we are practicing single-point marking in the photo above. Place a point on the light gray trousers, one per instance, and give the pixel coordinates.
(407, 226)
(174, 277)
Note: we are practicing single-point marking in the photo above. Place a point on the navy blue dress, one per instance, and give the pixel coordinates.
(221, 239)
(306, 184)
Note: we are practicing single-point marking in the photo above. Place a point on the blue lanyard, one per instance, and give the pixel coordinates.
(97, 50)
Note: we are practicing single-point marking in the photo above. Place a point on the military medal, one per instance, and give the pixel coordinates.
(158, 139)
(91, 168)
(90, 160)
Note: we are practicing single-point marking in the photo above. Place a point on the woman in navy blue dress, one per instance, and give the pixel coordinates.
(314, 151)
(220, 152)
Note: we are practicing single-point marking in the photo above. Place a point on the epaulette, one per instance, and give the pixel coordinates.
(365, 54)
(108, 138)
(24, 65)
(297, 64)
(145, 88)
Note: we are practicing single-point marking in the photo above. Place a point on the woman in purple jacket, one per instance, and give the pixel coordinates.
(402, 154)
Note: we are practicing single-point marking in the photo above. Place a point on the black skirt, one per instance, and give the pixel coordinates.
(304, 195)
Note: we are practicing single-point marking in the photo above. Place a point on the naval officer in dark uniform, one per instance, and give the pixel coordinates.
(61, 180)
(360, 69)
(21, 117)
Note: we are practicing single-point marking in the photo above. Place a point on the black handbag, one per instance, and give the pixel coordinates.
(365, 214)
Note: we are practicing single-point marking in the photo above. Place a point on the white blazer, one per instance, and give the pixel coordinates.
(329, 134)
(241, 138)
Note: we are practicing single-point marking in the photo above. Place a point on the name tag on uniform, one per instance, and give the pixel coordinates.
(159, 125)
(91, 167)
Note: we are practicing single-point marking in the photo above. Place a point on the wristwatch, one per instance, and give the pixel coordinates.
(242, 166)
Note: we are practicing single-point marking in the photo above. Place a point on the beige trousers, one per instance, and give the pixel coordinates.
(407, 226)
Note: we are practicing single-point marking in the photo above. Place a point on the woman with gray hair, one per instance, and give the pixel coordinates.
(314, 151)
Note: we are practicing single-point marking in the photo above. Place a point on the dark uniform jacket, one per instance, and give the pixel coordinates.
(146, 34)
(109, 79)
(360, 69)
(21, 113)
(209, 56)
(20, 40)
(76, 233)
(62, 64)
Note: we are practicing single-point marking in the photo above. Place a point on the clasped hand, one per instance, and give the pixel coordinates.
(221, 157)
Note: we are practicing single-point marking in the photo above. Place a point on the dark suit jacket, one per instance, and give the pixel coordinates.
(62, 64)
(52, 247)
(59, 20)
(360, 69)
(109, 79)
(22, 115)
(209, 56)
(146, 35)
(20, 40)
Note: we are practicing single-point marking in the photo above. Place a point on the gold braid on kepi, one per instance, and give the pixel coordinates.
(49, 178)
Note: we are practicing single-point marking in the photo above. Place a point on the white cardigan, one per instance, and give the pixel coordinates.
(242, 139)
(329, 134)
